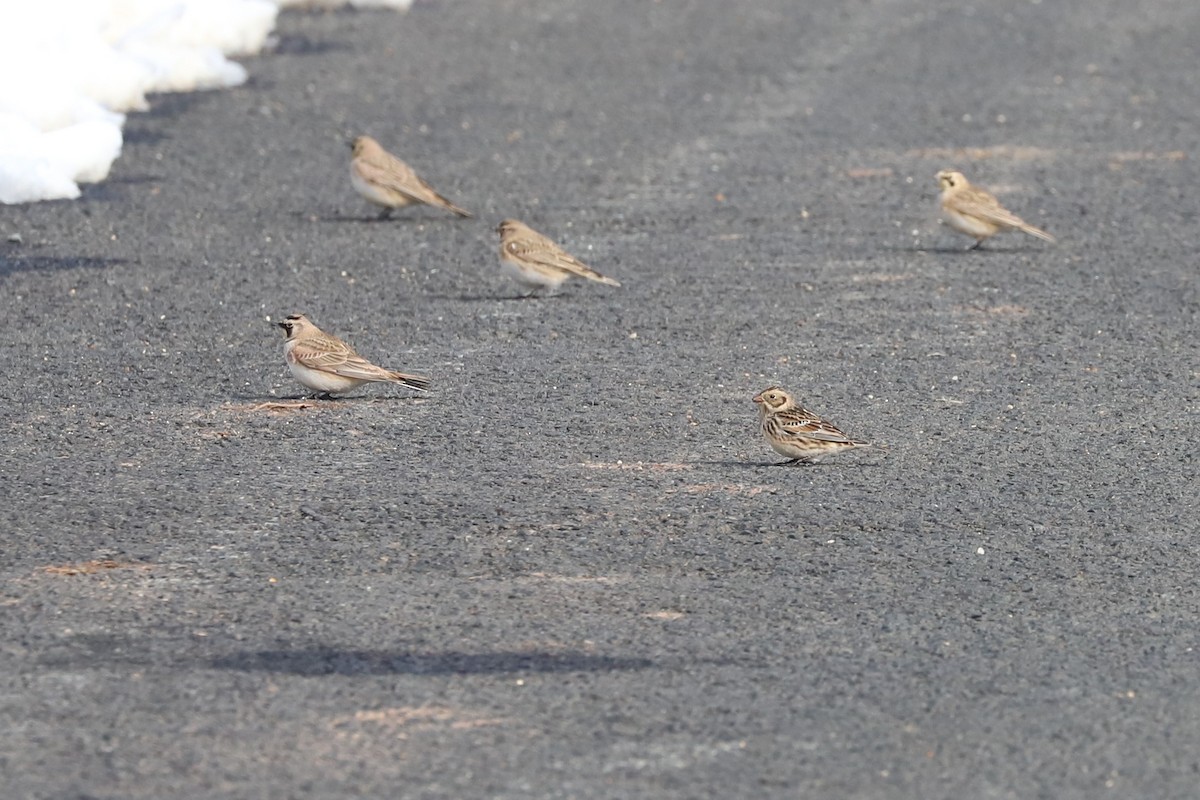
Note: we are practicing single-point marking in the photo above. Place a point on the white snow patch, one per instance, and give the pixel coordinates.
(72, 67)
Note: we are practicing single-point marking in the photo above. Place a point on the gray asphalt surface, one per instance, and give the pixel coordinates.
(570, 570)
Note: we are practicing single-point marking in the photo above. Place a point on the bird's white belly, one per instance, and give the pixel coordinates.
(320, 381)
(376, 194)
(531, 279)
(972, 226)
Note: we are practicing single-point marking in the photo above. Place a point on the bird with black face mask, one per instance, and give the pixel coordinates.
(327, 365)
(974, 211)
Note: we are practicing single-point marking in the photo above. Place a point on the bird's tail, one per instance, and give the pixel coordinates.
(1038, 232)
(446, 204)
(415, 381)
(592, 275)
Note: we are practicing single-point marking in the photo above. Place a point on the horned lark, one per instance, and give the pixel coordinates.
(535, 262)
(974, 211)
(387, 181)
(327, 365)
(796, 432)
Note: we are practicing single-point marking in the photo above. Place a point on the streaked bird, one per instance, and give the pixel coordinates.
(327, 365)
(797, 433)
(974, 211)
(387, 181)
(535, 262)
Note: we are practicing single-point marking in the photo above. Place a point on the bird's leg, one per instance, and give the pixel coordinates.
(975, 246)
(387, 212)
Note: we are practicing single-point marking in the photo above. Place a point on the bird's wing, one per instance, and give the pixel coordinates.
(337, 358)
(393, 174)
(984, 206)
(537, 249)
(806, 425)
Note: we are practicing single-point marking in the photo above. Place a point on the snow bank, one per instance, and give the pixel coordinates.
(71, 68)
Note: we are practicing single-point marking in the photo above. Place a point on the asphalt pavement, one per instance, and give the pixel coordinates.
(571, 570)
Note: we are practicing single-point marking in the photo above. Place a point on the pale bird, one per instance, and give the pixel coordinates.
(387, 181)
(535, 262)
(797, 433)
(327, 365)
(974, 211)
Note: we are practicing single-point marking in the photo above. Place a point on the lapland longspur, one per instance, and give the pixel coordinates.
(796, 432)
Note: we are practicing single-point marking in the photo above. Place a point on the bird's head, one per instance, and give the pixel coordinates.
(294, 325)
(773, 399)
(950, 179)
(361, 145)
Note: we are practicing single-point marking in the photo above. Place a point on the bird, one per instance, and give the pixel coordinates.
(535, 262)
(387, 181)
(974, 211)
(796, 432)
(327, 365)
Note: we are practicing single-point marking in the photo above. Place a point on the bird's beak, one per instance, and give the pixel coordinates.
(758, 398)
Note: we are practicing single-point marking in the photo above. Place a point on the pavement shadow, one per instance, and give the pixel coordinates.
(134, 180)
(134, 135)
(332, 402)
(735, 464)
(960, 250)
(413, 217)
(784, 466)
(496, 298)
(332, 661)
(367, 219)
(293, 44)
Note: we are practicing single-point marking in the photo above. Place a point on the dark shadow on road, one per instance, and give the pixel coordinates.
(300, 45)
(365, 220)
(135, 135)
(472, 298)
(331, 661)
(735, 464)
(783, 465)
(411, 217)
(318, 400)
(131, 180)
(468, 298)
(961, 250)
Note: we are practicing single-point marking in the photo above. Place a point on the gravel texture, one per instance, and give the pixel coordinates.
(570, 570)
